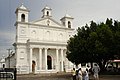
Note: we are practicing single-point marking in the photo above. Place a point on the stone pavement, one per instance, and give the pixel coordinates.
(61, 76)
(109, 77)
(50, 76)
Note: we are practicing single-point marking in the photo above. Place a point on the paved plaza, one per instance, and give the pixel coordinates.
(61, 76)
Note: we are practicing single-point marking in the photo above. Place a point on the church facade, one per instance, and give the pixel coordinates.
(40, 45)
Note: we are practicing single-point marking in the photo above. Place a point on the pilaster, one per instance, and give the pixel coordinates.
(62, 59)
(46, 58)
(30, 60)
(40, 58)
(57, 58)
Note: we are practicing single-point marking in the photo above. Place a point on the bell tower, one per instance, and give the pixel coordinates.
(67, 21)
(47, 12)
(22, 14)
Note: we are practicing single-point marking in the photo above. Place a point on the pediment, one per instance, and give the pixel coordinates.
(48, 22)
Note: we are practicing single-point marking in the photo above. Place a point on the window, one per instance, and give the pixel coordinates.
(69, 24)
(23, 17)
(47, 13)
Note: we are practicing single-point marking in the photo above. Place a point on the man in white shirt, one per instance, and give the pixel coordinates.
(96, 70)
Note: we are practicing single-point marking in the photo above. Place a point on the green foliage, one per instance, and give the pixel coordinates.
(95, 43)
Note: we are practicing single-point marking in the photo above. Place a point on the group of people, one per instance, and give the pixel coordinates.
(84, 75)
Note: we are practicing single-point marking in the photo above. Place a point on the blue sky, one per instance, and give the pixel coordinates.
(83, 11)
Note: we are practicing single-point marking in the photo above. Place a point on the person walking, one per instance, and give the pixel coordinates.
(79, 74)
(96, 70)
(86, 77)
(74, 74)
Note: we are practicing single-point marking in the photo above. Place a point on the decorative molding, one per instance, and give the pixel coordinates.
(21, 57)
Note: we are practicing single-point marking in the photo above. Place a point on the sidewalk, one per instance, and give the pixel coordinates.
(109, 77)
(47, 76)
(61, 76)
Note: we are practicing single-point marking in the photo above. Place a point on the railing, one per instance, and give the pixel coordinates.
(7, 73)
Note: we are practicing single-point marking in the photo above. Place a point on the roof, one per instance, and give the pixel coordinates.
(43, 21)
(46, 7)
(67, 15)
(22, 7)
(2, 60)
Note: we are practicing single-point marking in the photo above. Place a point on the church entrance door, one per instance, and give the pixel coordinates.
(49, 62)
(33, 66)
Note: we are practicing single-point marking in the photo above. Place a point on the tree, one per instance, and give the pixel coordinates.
(95, 43)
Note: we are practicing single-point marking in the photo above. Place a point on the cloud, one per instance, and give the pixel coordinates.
(83, 12)
(8, 36)
(6, 41)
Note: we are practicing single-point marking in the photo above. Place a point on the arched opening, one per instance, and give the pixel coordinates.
(3, 65)
(23, 18)
(49, 62)
(47, 13)
(33, 66)
(69, 24)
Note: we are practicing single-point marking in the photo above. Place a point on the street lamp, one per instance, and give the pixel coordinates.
(9, 56)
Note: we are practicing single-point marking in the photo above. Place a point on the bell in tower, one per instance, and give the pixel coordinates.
(46, 12)
(22, 14)
(67, 21)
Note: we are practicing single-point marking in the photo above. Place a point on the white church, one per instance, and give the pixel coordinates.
(40, 45)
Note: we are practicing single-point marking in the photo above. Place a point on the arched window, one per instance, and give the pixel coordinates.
(23, 18)
(69, 24)
(47, 13)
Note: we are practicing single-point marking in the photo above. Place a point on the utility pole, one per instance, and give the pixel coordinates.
(9, 56)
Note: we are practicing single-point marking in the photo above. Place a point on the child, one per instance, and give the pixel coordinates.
(74, 74)
(79, 74)
(86, 77)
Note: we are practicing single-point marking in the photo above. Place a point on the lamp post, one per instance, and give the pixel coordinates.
(9, 56)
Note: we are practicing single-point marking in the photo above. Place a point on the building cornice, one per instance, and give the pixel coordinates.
(21, 10)
(18, 43)
(44, 26)
(55, 43)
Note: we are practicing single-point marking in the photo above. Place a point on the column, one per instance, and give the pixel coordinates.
(62, 60)
(57, 58)
(40, 58)
(16, 58)
(65, 60)
(30, 60)
(45, 59)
